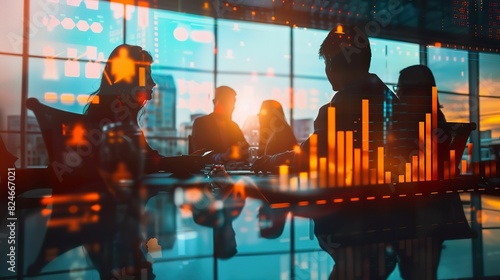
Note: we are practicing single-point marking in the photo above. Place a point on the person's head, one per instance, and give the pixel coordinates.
(415, 79)
(347, 55)
(224, 101)
(271, 115)
(126, 83)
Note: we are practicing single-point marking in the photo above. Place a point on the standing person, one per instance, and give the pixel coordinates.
(345, 231)
(218, 132)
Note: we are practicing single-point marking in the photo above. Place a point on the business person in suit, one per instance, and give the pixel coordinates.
(218, 132)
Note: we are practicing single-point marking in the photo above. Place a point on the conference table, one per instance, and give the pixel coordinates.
(215, 200)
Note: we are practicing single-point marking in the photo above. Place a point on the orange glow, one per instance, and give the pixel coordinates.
(414, 167)
(370, 198)
(95, 99)
(373, 176)
(96, 207)
(331, 145)
(82, 99)
(73, 209)
(239, 190)
(349, 141)
(355, 199)
(322, 172)
(493, 168)
(123, 67)
(428, 148)
(321, 201)
(303, 203)
(365, 141)
(434, 136)
(313, 159)
(452, 164)
(280, 205)
(421, 150)
(339, 30)
(283, 177)
(388, 176)
(487, 169)
(357, 167)
(340, 158)
(437, 44)
(303, 181)
(205, 5)
(401, 178)
(446, 169)
(50, 97)
(77, 135)
(464, 167)
(469, 154)
(380, 164)
(46, 212)
(67, 98)
(142, 76)
(193, 195)
(408, 172)
(65, 199)
(338, 200)
(121, 173)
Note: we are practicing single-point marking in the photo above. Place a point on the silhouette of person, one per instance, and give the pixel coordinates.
(218, 132)
(347, 228)
(414, 90)
(126, 87)
(275, 135)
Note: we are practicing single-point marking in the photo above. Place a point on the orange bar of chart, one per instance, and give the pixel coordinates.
(446, 170)
(365, 140)
(373, 176)
(349, 142)
(332, 133)
(408, 172)
(428, 148)
(323, 175)
(313, 160)
(388, 177)
(357, 167)
(380, 164)
(421, 150)
(414, 167)
(463, 168)
(340, 158)
(452, 164)
(283, 177)
(469, 156)
(401, 178)
(434, 136)
(493, 168)
(303, 181)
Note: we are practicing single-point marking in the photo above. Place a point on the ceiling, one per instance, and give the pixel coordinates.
(460, 24)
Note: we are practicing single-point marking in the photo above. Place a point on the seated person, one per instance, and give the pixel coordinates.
(218, 132)
(275, 135)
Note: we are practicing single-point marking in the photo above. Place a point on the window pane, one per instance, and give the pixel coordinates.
(306, 43)
(491, 211)
(252, 90)
(450, 69)
(11, 26)
(76, 29)
(10, 105)
(10, 91)
(309, 96)
(390, 57)
(455, 107)
(63, 84)
(490, 126)
(491, 247)
(255, 267)
(174, 39)
(489, 76)
(253, 47)
(456, 259)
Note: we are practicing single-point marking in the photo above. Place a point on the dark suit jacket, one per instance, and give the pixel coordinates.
(207, 134)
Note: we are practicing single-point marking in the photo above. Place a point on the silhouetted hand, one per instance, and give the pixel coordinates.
(262, 164)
